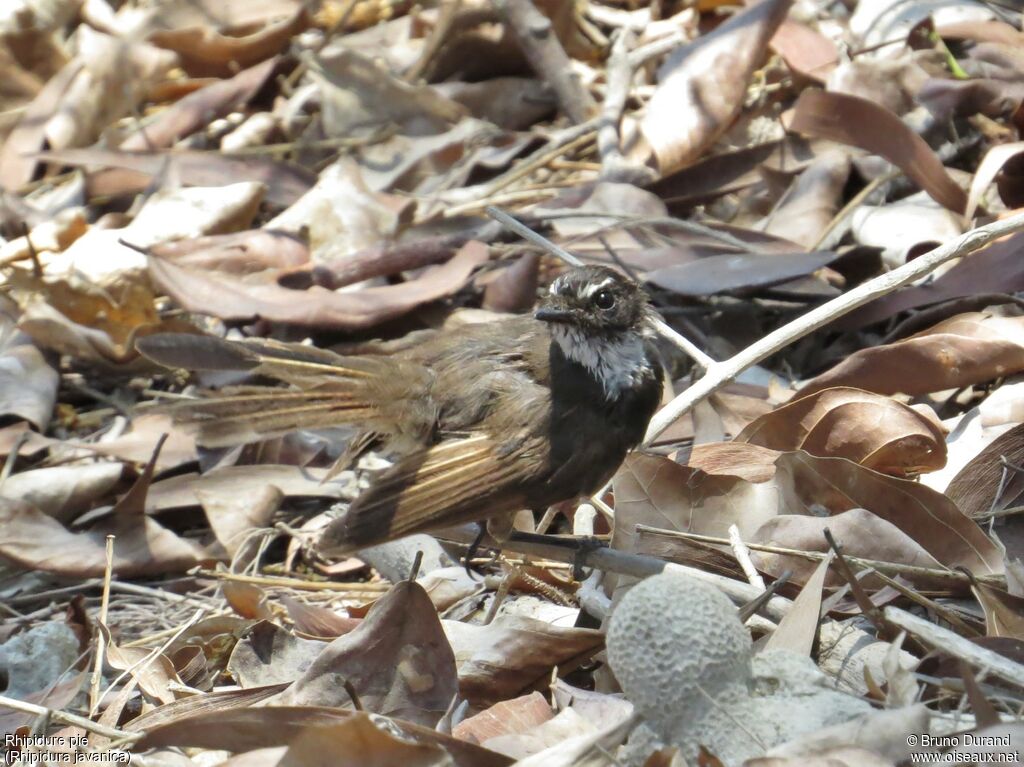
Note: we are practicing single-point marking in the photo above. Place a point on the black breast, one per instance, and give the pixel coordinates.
(590, 434)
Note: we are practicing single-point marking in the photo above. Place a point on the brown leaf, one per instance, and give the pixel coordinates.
(228, 299)
(88, 322)
(28, 385)
(807, 52)
(858, 122)
(246, 729)
(17, 163)
(511, 653)
(32, 539)
(738, 459)
(996, 268)
(162, 721)
(859, 532)
(64, 492)
(724, 273)
(247, 599)
(983, 485)
(233, 516)
(1004, 613)
(842, 422)
(397, 660)
(966, 349)
(254, 250)
(154, 673)
(703, 85)
(506, 717)
(184, 489)
(270, 654)
(318, 621)
(197, 109)
(805, 494)
(358, 742)
(796, 631)
(206, 51)
(285, 182)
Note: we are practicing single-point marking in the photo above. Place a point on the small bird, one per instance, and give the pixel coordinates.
(486, 420)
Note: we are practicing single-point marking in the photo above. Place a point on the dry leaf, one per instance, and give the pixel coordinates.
(862, 123)
(397, 660)
(842, 422)
(703, 85)
(963, 350)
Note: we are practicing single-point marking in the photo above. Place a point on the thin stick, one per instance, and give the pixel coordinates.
(101, 640)
(956, 645)
(881, 566)
(73, 719)
(721, 373)
(535, 35)
(540, 240)
(295, 583)
(742, 554)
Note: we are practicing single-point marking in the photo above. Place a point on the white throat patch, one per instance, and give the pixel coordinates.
(616, 363)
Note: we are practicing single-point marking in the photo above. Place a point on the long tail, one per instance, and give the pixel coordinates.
(331, 390)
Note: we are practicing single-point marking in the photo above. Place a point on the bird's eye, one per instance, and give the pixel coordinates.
(604, 299)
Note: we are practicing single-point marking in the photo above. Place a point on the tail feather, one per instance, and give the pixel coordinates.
(221, 421)
(332, 390)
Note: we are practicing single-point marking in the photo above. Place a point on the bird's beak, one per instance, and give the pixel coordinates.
(552, 314)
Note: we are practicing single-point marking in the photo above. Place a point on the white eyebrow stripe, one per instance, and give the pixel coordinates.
(592, 289)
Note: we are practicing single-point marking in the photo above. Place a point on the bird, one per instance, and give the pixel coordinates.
(483, 421)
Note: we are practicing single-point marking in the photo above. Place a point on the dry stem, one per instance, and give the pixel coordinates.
(719, 374)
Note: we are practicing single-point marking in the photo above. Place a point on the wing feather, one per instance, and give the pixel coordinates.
(454, 482)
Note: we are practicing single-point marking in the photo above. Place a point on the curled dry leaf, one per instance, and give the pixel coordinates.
(842, 422)
(234, 515)
(317, 621)
(993, 162)
(703, 86)
(812, 200)
(967, 349)
(858, 531)
(858, 122)
(268, 654)
(397, 660)
(229, 299)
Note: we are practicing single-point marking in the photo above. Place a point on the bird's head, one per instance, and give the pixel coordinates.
(594, 301)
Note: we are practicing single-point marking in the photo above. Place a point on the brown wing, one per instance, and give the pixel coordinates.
(451, 483)
(332, 390)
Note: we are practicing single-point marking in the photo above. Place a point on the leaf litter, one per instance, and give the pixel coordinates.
(320, 172)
